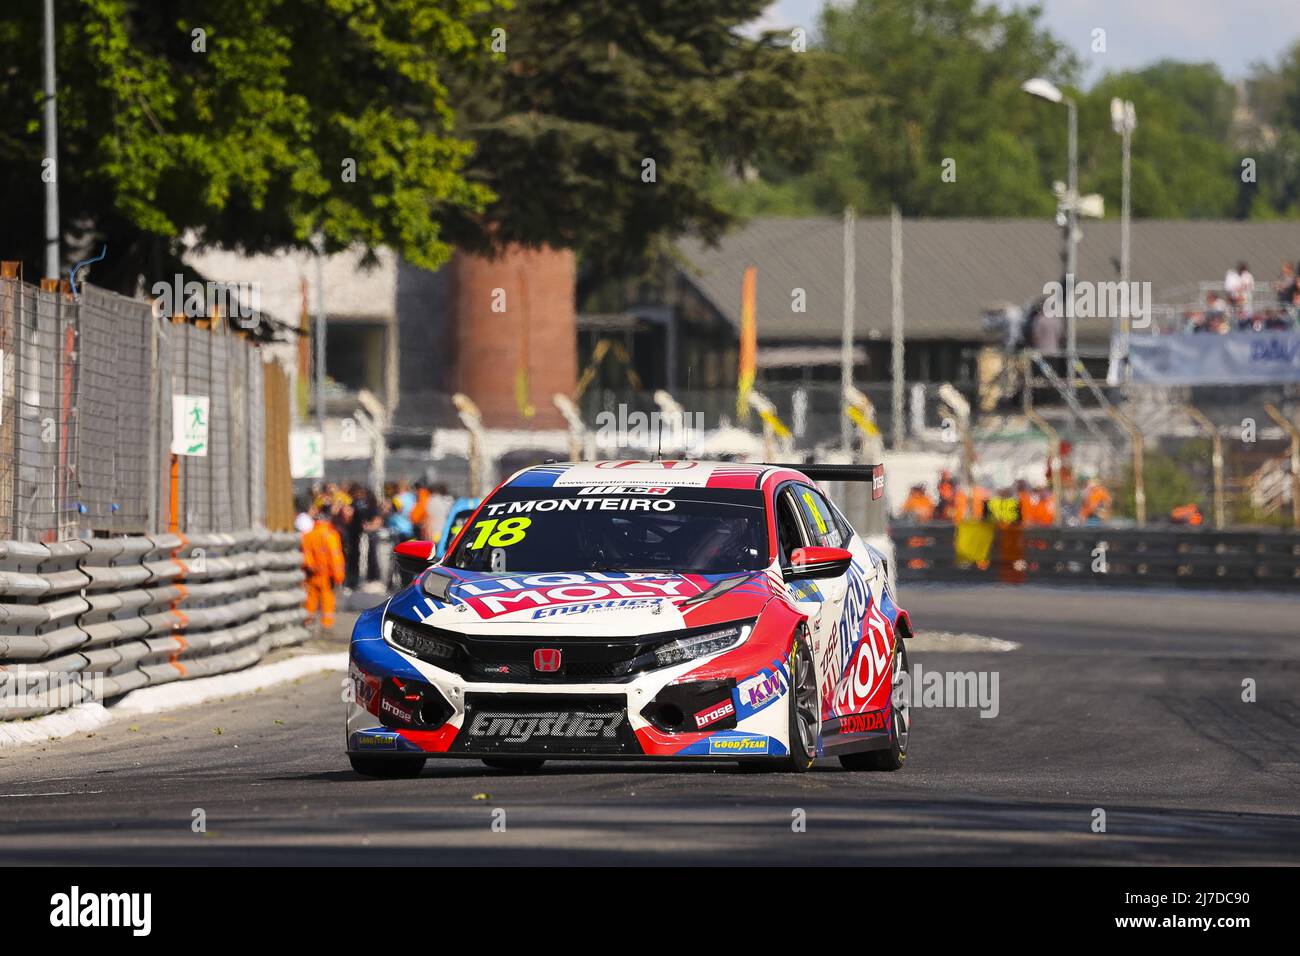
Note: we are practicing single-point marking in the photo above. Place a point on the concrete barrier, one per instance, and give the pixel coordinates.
(87, 620)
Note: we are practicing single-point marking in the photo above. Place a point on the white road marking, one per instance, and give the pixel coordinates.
(84, 718)
(959, 643)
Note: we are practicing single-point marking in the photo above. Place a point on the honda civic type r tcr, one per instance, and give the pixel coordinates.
(639, 610)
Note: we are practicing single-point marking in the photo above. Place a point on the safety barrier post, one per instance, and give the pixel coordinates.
(1289, 427)
(1216, 460)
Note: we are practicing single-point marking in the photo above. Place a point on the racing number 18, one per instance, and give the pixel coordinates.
(500, 534)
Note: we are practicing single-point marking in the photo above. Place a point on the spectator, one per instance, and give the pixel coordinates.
(954, 504)
(439, 509)
(1004, 508)
(360, 523)
(918, 507)
(399, 520)
(1239, 285)
(1285, 285)
(1096, 503)
(322, 558)
(1045, 333)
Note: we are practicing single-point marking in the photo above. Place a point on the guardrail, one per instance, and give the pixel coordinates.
(86, 620)
(1193, 557)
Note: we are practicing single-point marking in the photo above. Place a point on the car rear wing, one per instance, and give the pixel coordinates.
(844, 484)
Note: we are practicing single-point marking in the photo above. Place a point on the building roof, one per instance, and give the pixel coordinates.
(353, 289)
(955, 268)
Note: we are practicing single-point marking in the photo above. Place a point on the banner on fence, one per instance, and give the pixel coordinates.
(1238, 358)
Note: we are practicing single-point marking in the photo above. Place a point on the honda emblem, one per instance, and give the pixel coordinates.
(546, 659)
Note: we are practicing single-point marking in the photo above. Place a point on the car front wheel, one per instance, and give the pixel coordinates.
(803, 707)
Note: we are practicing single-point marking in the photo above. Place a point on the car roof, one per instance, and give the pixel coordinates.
(670, 473)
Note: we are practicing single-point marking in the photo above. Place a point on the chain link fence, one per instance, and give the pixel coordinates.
(87, 387)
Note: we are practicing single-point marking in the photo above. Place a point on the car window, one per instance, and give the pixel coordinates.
(616, 528)
(789, 532)
(819, 518)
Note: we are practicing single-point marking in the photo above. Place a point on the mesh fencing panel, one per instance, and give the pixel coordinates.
(86, 406)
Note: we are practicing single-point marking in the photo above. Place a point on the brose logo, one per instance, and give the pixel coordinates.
(519, 729)
(711, 715)
(75, 909)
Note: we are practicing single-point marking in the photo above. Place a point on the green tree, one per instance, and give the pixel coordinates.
(233, 119)
(589, 93)
(1183, 164)
(931, 81)
(1273, 135)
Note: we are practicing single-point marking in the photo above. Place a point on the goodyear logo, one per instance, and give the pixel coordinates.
(753, 744)
(375, 742)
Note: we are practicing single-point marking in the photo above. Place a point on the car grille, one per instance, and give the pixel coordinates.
(478, 658)
(546, 724)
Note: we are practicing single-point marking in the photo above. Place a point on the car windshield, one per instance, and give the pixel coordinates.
(696, 530)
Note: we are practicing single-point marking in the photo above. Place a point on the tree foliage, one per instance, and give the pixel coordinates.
(238, 133)
(600, 125)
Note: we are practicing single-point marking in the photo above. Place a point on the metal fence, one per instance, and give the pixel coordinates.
(86, 392)
(1193, 557)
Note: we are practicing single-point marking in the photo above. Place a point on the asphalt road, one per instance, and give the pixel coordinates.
(1128, 702)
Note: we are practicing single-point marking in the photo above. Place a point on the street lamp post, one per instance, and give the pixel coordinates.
(1045, 89)
(52, 254)
(1123, 118)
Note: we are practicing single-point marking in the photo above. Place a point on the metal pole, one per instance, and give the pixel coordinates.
(320, 348)
(896, 429)
(1126, 208)
(1216, 460)
(1071, 243)
(1053, 438)
(52, 256)
(846, 337)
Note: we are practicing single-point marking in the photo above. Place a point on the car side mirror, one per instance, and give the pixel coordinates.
(817, 562)
(413, 557)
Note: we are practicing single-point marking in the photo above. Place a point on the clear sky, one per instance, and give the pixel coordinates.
(1232, 33)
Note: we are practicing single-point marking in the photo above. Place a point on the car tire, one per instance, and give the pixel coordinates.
(895, 755)
(387, 768)
(525, 764)
(803, 708)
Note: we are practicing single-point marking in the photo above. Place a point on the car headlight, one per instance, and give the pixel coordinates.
(424, 646)
(712, 641)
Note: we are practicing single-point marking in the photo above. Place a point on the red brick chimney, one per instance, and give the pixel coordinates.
(516, 311)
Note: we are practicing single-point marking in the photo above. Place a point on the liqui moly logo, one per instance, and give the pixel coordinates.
(868, 671)
(503, 595)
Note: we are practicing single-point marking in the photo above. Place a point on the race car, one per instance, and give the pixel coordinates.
(662, 610)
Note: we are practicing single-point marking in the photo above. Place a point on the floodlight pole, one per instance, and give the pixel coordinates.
(52, 255)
